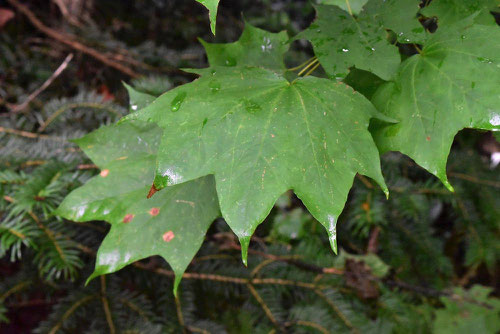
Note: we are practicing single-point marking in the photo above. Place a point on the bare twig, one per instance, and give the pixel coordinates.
(46, 84)
(70, 40)
(264, 306)
(70, 311)
(28, 134)
(373, 241)
(70, 106)
(105, 305)
(65, 12)
(475, 179)
(310, 324)
(180, 317)
(337, 311)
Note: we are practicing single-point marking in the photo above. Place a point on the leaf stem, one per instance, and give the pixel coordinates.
(302, 65)
(308, 66)
(312, 69)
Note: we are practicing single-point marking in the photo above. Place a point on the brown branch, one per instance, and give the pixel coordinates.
(71, 106)
(178, 308)
(46, 84)
(264, 306)
(475, 179)
(70, 40)
(295, 262)
(70, 311)
(28, 134)
(373, 241)
(105, 305)
(337, 311)
(65, 12)
(310, 324)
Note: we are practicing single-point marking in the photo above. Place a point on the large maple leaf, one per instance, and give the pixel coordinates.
(454, 83)
(261, 135)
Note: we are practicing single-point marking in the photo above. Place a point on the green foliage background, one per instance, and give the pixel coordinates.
(433, 267)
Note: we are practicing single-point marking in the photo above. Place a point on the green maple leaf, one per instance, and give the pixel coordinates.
(172, 224)
(453, 11)
(212, 6)
(454, 83)
(261, 135)
(256, 47)
(400, 16)
(341, 40)
(350, 6)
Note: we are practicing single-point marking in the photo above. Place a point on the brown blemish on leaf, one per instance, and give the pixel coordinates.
(154, 212)
(104, 172)
(168, 236)
(428, 138)
(128, 218)
(122, 158)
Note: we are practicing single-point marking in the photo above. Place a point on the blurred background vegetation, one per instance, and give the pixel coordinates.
(426, 260)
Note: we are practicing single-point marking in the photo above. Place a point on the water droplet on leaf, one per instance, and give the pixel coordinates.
(214, 86)
(177, 102)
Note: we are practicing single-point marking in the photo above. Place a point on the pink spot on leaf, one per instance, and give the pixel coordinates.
(154, 212)
(168, 236)
(104, 172)
(128, 218)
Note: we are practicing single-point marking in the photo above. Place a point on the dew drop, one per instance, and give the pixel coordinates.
(495, 119)
(251, 106)
(230, 61)
(177, 102)
(214, 86)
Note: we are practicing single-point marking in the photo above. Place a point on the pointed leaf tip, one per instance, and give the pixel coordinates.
(212, 6)
(332, 232)
(387, 194)
(448, 185)
(91, 278)
(245, 243)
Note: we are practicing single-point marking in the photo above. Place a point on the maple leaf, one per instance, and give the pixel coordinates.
(172, 224)
(255, 47)
(342, 40)
(453, 11)
(261, 135)
(452, 84)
